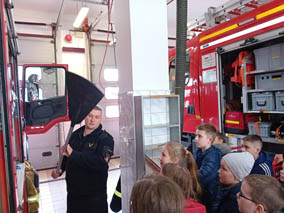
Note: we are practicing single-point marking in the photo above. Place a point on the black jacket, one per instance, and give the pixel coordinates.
(208, 164)
(225, 198)
(86, 168)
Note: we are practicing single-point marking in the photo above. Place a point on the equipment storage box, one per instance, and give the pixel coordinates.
(270, 57)
(259, 128)
(269, 80)
(279, 100)
(263, 101)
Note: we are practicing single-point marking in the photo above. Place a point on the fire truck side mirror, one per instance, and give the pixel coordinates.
(45, 97)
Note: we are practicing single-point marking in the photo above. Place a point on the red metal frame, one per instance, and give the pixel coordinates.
(10, 116)
(18, 135)
(42, 129)
(3, 181)
(192, 96)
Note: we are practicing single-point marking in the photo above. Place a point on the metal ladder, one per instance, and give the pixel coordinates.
(225, 12)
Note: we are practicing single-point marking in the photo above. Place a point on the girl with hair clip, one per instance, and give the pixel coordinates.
(175, 152)
(183, 178)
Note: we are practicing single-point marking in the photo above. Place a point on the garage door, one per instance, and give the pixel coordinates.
(43, 148)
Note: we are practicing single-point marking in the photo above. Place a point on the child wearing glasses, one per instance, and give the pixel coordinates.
(260, 193)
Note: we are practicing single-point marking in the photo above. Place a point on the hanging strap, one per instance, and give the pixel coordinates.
(256, 127)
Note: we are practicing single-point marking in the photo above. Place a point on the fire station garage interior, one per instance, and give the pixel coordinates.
(158, 70)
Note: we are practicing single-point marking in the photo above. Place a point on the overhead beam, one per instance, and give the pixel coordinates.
(104, 31)
(32, 23)
(34, 35)
(102, 2)
(113, 32)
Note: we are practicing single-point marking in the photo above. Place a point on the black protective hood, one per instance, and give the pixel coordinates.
(83, 96)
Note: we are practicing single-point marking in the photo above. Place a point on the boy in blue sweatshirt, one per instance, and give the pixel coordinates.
(263, 162)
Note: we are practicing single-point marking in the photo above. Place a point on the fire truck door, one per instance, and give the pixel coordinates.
(191, 95)
(45, 99)
(209, 88)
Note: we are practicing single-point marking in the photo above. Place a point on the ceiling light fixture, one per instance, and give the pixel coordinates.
(80, 17)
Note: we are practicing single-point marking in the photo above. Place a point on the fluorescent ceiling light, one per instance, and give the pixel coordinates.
(80, 17)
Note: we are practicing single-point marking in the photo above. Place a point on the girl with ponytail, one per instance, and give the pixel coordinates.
(174, 152)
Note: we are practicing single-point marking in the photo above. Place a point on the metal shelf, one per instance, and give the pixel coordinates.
(269, 140)
(264, 90)
(160, 123)
(161, 126)
(235, 135)
(256, 72)
(265, 112)
(246, 90)
(264, 139)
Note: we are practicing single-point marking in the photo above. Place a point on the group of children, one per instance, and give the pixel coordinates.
(214, 180)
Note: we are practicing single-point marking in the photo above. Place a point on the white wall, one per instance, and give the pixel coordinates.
(77, 62)
(142, 43)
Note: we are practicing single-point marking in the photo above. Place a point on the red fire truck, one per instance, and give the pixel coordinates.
(23, 111)
(235, 77)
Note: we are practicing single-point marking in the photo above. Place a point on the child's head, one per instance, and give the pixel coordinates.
(220, 138)
(182, 177)
(260, 193)
(205, 135)
(175, 152)
(253, 145)
(156, 194)
(235, 166)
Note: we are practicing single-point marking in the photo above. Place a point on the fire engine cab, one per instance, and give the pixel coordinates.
(235, 77)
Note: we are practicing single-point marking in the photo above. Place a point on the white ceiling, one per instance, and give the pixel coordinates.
(47, 11)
